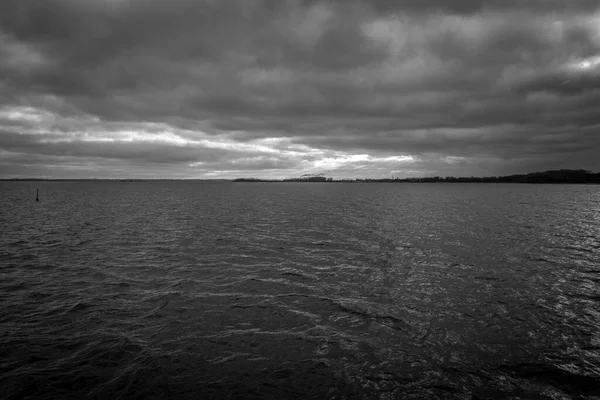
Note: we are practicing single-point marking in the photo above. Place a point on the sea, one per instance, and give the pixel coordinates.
(196, 290)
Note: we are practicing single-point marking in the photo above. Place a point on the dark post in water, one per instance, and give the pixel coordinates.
(37, 195)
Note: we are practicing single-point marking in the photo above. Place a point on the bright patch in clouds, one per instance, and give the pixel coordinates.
(591, 63)
(25, 114)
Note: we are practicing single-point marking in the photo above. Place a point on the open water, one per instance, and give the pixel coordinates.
(128, 290)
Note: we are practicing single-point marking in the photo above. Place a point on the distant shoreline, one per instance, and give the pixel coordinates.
(418, 181)
(554, 176)
(288, 181)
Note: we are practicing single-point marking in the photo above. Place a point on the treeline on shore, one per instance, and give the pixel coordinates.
(556, 176)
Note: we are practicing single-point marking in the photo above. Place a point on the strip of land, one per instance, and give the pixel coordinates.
(556, 176)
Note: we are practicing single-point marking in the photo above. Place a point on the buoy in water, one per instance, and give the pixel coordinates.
(37, 195)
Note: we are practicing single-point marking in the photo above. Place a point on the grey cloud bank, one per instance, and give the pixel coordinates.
(200, 89)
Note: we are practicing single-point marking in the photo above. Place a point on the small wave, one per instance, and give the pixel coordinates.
(555, 376)
(298, 273)
(486, 278)
(369, 312)
(21, 286)
(78, 306)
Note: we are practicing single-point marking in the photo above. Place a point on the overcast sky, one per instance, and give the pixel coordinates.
(280, 88)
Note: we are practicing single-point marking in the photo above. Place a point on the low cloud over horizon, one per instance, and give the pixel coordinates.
(276, 89)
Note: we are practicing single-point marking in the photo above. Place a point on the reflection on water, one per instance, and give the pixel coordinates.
(341, 291)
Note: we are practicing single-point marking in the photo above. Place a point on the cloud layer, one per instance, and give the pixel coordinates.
(227, 88)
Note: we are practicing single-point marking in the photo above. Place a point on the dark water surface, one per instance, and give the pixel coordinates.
(299, 291)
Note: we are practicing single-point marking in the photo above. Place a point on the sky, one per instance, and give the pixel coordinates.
(281, 88)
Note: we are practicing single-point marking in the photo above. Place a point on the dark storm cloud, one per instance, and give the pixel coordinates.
(428, 78)
(563, 83)
(476, 6)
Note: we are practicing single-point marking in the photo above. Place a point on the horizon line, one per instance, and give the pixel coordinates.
(393, 178)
